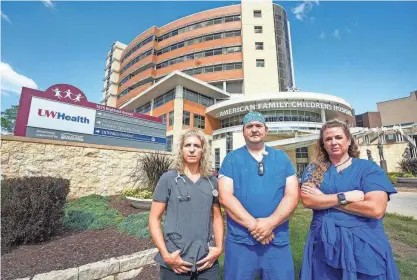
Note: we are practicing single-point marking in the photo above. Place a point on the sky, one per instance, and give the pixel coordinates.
(363, 52)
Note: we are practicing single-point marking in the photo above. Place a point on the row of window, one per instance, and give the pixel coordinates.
(196, 55)
(199, 121)
(138, 46)
(189, 94)
(166, 97)
(205, 38)
(276, 116)
(178, 45)
(199, 25)
(170, 95)
(214, 68)
(139, 57)
(132, 87)
(198, 98)
(192, 56)
(144, 108)
(137, 71)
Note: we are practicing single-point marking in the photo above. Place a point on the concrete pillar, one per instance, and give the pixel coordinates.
(323, 115)
(178, 112)
(152, 104)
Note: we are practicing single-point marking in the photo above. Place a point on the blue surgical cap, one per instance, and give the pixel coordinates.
(253, 117)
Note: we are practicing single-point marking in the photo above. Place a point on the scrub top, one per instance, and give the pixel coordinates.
(259, 195)
(188, 220)
(346, 246)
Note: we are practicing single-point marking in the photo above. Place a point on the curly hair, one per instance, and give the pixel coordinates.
(205, 161)
(321, 161)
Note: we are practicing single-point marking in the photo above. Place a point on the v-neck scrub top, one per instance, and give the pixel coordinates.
(346, 246)
(259, 195)
(188, 223)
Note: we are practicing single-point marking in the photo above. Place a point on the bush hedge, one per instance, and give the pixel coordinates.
(90, 212)
(32, 209)
(409, 166)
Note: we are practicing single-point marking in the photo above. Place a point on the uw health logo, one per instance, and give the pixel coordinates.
(62, 116)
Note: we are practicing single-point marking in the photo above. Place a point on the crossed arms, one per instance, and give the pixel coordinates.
(372, 204)
(261, 228)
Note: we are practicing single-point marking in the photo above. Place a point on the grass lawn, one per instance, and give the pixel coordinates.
(402, 233)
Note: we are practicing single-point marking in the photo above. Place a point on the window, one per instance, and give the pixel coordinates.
(164, 98)
(199, 121)
(186, 118)
(164, 118)
(257, 14)
(258, 29)
(197, 97)
(301, 152)
(144, 109)
(168, 145)
(259, 45)
(260, 63)
(171, 118)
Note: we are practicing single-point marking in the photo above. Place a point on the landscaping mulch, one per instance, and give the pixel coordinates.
(70, 249)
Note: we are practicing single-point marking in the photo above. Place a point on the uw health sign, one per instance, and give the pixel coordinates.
(62, 112)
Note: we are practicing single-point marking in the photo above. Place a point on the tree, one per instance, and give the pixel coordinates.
(8, 119)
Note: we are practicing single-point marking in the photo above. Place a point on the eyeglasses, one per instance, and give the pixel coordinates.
(260, 168)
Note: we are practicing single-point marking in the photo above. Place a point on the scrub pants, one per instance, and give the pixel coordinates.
(271, 262)
(211, 273)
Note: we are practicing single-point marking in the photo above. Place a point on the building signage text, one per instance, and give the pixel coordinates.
(284, 104)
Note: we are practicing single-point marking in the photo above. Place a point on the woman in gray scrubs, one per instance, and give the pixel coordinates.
(192, 238)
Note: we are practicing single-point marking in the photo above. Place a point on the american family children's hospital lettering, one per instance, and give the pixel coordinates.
(284, 104)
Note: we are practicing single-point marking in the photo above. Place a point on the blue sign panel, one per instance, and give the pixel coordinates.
(131, 136)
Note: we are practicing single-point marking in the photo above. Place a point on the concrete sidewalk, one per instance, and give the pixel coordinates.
(403, 203)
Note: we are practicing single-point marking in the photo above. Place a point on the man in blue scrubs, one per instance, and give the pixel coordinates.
(259, 191)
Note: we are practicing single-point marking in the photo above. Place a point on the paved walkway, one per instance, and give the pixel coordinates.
(403, 203)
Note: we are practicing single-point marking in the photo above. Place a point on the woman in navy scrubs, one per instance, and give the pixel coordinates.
(349, 197)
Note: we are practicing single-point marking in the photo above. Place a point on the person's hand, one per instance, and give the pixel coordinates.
(268, 240)
(252, 225)
(213, 254)
(309, 188)
(263, 229)
(177, 264)
(354, 196)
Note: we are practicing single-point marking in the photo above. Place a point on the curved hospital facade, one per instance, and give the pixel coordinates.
(208, 69)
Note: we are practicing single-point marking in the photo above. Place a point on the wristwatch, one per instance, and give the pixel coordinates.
(342, 199)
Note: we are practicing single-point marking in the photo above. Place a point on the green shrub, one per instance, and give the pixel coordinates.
(409, 166)
(136, 225)
(31, 209)
(138, 193)
(90, 212)
(149, 169)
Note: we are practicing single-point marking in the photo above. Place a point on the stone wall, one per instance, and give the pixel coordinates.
(121, 268)
(392, 154)
(91, 169)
